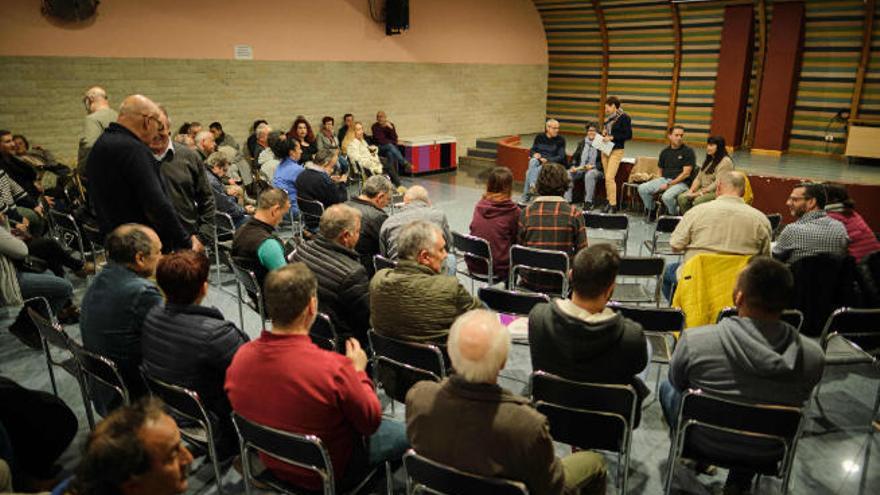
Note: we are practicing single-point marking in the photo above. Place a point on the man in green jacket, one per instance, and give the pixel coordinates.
(414, 301)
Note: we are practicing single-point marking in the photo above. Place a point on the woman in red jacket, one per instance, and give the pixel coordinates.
(842, 208)
(495, 219)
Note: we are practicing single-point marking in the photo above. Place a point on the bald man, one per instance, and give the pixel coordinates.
(99, 116)
(385, 136)
(125, 185)
(469, 422)
(416, 206)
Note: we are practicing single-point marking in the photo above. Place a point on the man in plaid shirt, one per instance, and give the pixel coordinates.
(813, 232)
(551, 223)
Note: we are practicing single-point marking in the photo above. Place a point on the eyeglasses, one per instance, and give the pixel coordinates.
(159, 124)
(797, 198)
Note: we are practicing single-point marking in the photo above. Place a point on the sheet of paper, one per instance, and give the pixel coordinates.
(602, 146)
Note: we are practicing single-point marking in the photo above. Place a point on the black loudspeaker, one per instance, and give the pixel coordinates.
(396, 16)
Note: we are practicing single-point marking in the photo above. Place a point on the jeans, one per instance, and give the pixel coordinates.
(670, 280)
(392, 152)
(531, 177)
(669, 196)
(56, 290)
(389, 443)
(342, 165)
(585, 472)
(590, 178)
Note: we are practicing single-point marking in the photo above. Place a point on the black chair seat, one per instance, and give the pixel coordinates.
(719, 449)
(70, 365)
(841, 351)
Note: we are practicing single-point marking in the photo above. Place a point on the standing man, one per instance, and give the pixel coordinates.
(99, 117)
(813, 232)
(125, 185)
(548, 147)
(385, 136)
(586, 162)
(676, 165)
(618, 129)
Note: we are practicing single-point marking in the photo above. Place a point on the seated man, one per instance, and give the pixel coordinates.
(191, 345)
(255, 244)
(586, 162)
(581, 339)
(814, 232)
(375, 196)
(724, 226)
(385, 137)
(677, 163)
(416, 206)
(284, 381)
(226, 198)
(116, 303)
(318, 183)
(414, 301)
(469, 422)
(753, 357)
(220, 137)
(343, 286)
(135, 450)
(288, 171)
(548, 147)
(205, 145)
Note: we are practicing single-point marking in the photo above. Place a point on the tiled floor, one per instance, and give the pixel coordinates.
(834, 456)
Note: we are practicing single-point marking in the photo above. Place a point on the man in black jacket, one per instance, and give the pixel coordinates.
(187, 344)
(343, 286)
(583, 340)
(374, 197)
(185, 181)
(548, 147)
(124, 182)
(317, 183)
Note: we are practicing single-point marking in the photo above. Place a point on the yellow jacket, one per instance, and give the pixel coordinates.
(705, 286)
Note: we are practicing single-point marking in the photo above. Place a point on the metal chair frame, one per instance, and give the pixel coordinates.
(775, 220)
(223, 226)
(84, 358)
(470, 246)
(793, 317)
(665, 226)
(419, 468)
(380, 262)
(548, 256)
(510, 301)
(641, 268)
(324, 335)
(67, 230)
(609, 222)
(310, 208)
(248, 279)
(378, 357)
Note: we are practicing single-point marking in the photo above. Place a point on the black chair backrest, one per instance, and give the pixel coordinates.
(183, 401)
(323, 333)
(401, 364)
(305, 451)
(775, 219)
(859, 326)
(510, 302)
(225, 226)
(654, 319)
(641, 267)
(101, 369)
(66, 225)
(246, 277)
(53, 333)
(791, 316)
(539, 258)
(380, 262)
(666, 224)
(868, 273)
(585, 415)
(310, 206)
(606, 221)
(440, 478)
(473, 247)
(823, 283)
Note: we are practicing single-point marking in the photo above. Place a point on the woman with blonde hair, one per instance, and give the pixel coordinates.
(365, 155)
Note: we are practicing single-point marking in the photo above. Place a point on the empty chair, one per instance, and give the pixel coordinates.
(791, 316)
(634, 292)
(603, 224)
(248, 280)
(760, 438)
(398, 365)
(468, 247)
(323, 333)
(304, 451)
(424, 475)
(197, 427)
(659, 241)
(380, 262)
(509, 301)
(775, 220)
(542, 263)
(588, 415)
(311, 211)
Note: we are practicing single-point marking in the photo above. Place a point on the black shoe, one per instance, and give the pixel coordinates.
(612, 209)
(652, 215)
(588, 205)
(606, 208)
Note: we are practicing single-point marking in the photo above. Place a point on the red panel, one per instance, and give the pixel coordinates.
(781, 73)
(512, 156)
(734, 72)
(435, 157)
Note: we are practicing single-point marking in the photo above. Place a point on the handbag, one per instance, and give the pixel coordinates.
(32, 264)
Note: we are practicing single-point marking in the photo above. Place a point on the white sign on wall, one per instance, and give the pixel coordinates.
(244, 52)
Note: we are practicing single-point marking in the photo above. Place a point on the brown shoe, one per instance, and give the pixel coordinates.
(87, 269)
(69, 315)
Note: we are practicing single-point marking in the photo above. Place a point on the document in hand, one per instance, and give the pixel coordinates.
(602, 146)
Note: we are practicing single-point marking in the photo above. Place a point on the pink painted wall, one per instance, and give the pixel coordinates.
(441, 31)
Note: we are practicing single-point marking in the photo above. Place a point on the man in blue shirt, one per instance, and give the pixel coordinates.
(287, 172)
(547, 147)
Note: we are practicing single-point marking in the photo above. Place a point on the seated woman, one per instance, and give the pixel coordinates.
(495, 219)
(842, 208)
(703, 187)
(327, 139)
(301, 132)
(365, 155)
(551, 223)
(318, 183)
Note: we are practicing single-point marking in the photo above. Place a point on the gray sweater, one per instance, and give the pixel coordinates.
(748, 359)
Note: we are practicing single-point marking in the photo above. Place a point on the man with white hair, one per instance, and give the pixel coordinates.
(416, 206)
(548, 147)
(471, 423)
(125, 185)
(99, 116)
(205, 144)
(414, 301)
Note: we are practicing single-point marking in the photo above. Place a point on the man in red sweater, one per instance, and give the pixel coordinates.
(385, 136)
(284, 381)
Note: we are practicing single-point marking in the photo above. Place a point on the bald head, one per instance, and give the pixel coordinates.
(416, 193)
(478, 345)
(731, 184)
(141, 116)
(95, 98)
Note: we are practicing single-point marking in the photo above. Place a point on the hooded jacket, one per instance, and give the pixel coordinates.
(495, 221)
(743, 358)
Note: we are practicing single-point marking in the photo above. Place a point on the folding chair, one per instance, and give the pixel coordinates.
(224, 231)
(660, 326)
(310, 211)
(398, 364)
(466, 247)
(769, 433)
(248, 279)
(659, 242)
(634, 292)
(426, 476)
(98, 370)
(509, 301)
(186, 404)
(588, 415)
(380, 262)
(323, 333)
(304, 451)
(606, 223)
(69, 233)
(775, 220)
(791, 316)
(539, 262)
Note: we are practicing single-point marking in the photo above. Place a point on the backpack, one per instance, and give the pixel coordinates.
(70, 10)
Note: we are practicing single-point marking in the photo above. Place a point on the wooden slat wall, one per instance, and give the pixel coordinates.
(869, 107)
(575, 60)
(701, 26)
(832, 47)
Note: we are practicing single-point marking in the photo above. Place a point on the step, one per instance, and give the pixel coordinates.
(482, 153)
(487, 144)
(475, 166)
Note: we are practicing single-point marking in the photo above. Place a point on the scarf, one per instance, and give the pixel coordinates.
(611, 120)
(329, 135)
